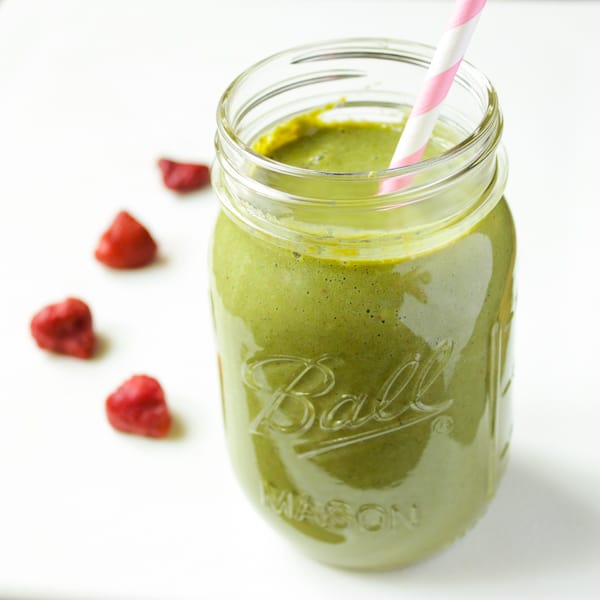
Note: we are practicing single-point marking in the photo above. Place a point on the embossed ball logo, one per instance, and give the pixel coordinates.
(300, 395)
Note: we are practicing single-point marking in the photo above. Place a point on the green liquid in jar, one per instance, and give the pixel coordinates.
(366, 402)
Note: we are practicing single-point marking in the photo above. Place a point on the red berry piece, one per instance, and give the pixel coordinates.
(126, 244)
(184, 177)
(139, 406)
(65, 328)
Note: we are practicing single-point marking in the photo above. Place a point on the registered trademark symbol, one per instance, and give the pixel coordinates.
(442, 424)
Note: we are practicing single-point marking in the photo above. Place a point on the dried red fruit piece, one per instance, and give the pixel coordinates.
(126, 244)
(65, 328)
(139, 406)
(184, 177)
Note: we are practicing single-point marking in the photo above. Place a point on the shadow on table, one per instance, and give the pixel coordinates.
(536, 524)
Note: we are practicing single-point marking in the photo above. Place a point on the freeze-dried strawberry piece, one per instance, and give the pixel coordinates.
(139, 406)
(65, 328)
(184, 177)
(126, 244)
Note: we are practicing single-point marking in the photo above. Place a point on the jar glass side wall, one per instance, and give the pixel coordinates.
(366, 403)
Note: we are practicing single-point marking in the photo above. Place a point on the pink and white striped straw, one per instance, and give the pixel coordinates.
(439, 78)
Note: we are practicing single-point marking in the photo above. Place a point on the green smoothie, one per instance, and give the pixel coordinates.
(366, 401)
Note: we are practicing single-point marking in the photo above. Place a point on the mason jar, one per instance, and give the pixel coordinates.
(364, 338)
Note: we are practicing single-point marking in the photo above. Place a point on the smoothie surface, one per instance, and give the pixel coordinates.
(311, 142)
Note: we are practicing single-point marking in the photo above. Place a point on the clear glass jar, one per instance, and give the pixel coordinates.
(364, 339)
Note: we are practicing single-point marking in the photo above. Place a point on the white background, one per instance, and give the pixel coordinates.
(91, 94)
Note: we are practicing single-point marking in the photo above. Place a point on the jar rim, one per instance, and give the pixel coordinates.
(417, 53)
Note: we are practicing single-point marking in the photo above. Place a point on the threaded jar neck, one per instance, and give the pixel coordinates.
(330, 213)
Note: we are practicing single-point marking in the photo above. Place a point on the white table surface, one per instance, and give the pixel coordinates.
(91, 94)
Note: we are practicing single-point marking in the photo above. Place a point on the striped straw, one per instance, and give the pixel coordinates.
(439, 78)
